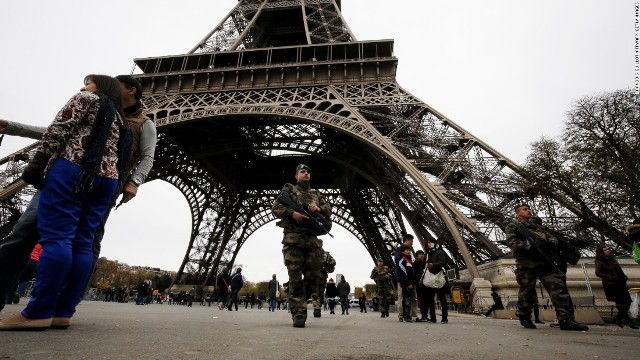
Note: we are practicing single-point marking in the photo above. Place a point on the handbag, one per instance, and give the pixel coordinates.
(434, 281)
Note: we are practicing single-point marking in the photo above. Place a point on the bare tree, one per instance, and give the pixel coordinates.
(594, 166)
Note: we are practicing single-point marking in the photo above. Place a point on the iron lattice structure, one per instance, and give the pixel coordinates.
(277, 83)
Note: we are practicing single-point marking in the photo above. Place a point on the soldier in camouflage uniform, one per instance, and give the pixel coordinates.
(302, 250)
(384, 281)
(328, 266)
(533, 247)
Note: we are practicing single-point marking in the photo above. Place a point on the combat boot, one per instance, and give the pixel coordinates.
(317, 313)
(527, 323)
(298, 320)
(569, 324)
(632, 324)
(618, 320)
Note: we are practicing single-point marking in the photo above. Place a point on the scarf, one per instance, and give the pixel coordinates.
(94, 150)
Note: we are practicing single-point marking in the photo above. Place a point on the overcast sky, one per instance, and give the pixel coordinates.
(506, 71)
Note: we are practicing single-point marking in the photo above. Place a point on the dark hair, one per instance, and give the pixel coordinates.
(404, 247)
(107, 86)
(419, 252)
(518, 206)
(406, 237)
(600, 252)
(130, 82)
(636, 221)
(602, 258)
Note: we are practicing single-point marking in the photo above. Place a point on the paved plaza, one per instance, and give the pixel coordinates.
(103, 330)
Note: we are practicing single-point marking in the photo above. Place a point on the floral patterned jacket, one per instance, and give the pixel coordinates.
(69, 132)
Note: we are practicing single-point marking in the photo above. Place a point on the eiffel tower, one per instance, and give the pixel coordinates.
(282, 82)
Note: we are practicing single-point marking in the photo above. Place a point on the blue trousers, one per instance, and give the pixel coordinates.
(16, 248)
(67, 222)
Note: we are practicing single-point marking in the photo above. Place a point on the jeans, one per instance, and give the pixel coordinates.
(67, 222)
(16, 248)
(272, 303)
(22, 283)
(234, 299)
(344, 304)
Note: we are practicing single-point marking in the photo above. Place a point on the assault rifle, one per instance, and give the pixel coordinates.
(316, 219)
(567, 250)
(525, 234)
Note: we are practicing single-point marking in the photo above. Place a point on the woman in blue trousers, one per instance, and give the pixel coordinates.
(84, 153)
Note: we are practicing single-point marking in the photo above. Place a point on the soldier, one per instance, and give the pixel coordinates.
(533, 247)
(302, 250)
(384, 281)
(328, 266)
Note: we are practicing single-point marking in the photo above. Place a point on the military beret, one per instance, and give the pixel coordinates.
(303, 166)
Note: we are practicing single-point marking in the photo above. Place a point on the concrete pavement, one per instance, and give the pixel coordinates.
(113, 331)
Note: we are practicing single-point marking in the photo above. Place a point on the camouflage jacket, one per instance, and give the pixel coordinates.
(302, 197)
(382, 277)
(328, 263)
(518, 244)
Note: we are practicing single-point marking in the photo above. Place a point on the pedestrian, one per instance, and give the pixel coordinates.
(614, 284)
(328, 266)
(407, 240)
(304, 215)
(14, 251)
(143, 289)
(191, 295)
(224, 289)
(362, 301)
(237, 282)
(534, 247)
(419, 265)
(436, 262)
(331, 294)
(27, 275)
(344, 289)
(632, 230)
(383, 277)
(274, 288)
(406, 279)
(83, 154)
(497, 304)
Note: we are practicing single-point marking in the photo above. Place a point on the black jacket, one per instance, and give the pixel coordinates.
(332, 290)
(405, 273)
(237, 282)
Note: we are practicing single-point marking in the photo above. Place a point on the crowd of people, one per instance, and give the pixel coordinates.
(100, 147)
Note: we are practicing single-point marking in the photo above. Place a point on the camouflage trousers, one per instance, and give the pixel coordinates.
(321, 289)
(385, 296)
(303, 257)
(553, 282)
